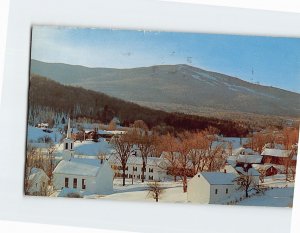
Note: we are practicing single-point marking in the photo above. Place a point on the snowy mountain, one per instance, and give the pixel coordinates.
(179, 88)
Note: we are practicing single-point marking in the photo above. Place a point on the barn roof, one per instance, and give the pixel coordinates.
(249, 158)
(218, 178)
(77, 167)
(276, 152)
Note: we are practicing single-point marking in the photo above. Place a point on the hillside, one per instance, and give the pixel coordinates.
(178, 88)
(82, 103)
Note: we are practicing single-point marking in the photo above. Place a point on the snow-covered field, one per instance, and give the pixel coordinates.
(280, 193)
(276, 197)
(172, 193)
(35, 134)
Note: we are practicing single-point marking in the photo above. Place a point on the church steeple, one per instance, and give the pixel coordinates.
(68, 144)
(69, 128)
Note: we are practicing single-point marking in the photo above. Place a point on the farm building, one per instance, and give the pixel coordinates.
(277, 156)
(211, 187)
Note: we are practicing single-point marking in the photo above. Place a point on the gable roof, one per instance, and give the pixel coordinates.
(276, 152)
(251, 171)
(218, 178)
(249, 158)
(75, 167)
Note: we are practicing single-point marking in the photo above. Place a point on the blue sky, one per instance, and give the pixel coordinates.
(268, 60)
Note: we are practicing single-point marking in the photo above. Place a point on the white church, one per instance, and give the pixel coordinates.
(83, 176)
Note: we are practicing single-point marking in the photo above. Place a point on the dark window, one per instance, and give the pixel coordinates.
(67, 182)
(83, 184)
(150, 177)
(71, 146)
(134, 169)
(66, 146)
(226, 191)
(216, 191)
(75, 183)
(150, 169)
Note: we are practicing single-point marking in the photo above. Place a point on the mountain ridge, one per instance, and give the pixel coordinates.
(161, 86)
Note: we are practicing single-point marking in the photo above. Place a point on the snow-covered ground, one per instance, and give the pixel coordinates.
(35, 134)
(276, 197)
(279, 194)
(173, 192)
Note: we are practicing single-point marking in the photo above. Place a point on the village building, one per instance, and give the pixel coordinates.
(269, 169)
(228, 168)
(92, 176)
(156, 168)
(211, 187)
(38, 182)
(279, 157)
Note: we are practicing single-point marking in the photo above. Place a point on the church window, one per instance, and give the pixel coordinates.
(83, 184)
(67, 182)
(75, 183)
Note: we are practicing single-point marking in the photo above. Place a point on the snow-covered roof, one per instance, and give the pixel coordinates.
(237, 151)
(249, 158)
(136, 160)
(76, 167)
(111, 132)
(267, 166)
(89, 148)
(276, 152)
(37, 174)
(218, 178)
(251, 171)
(228, 168)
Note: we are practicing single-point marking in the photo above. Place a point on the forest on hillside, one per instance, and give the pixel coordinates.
(47, 99)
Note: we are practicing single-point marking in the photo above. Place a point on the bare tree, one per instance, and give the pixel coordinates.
(155, 190)
(123, 145)
(145, 142)
(288, 165)
(168, 146)
(247, 183)
(184, 149)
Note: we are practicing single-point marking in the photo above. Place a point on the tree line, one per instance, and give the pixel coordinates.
(49, 100)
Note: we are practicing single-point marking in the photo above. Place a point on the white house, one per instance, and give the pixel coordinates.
(38, 181)
(155, 168)
(211, 187)
(84, 175)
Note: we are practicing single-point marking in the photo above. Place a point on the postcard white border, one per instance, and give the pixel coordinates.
(129, 14)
